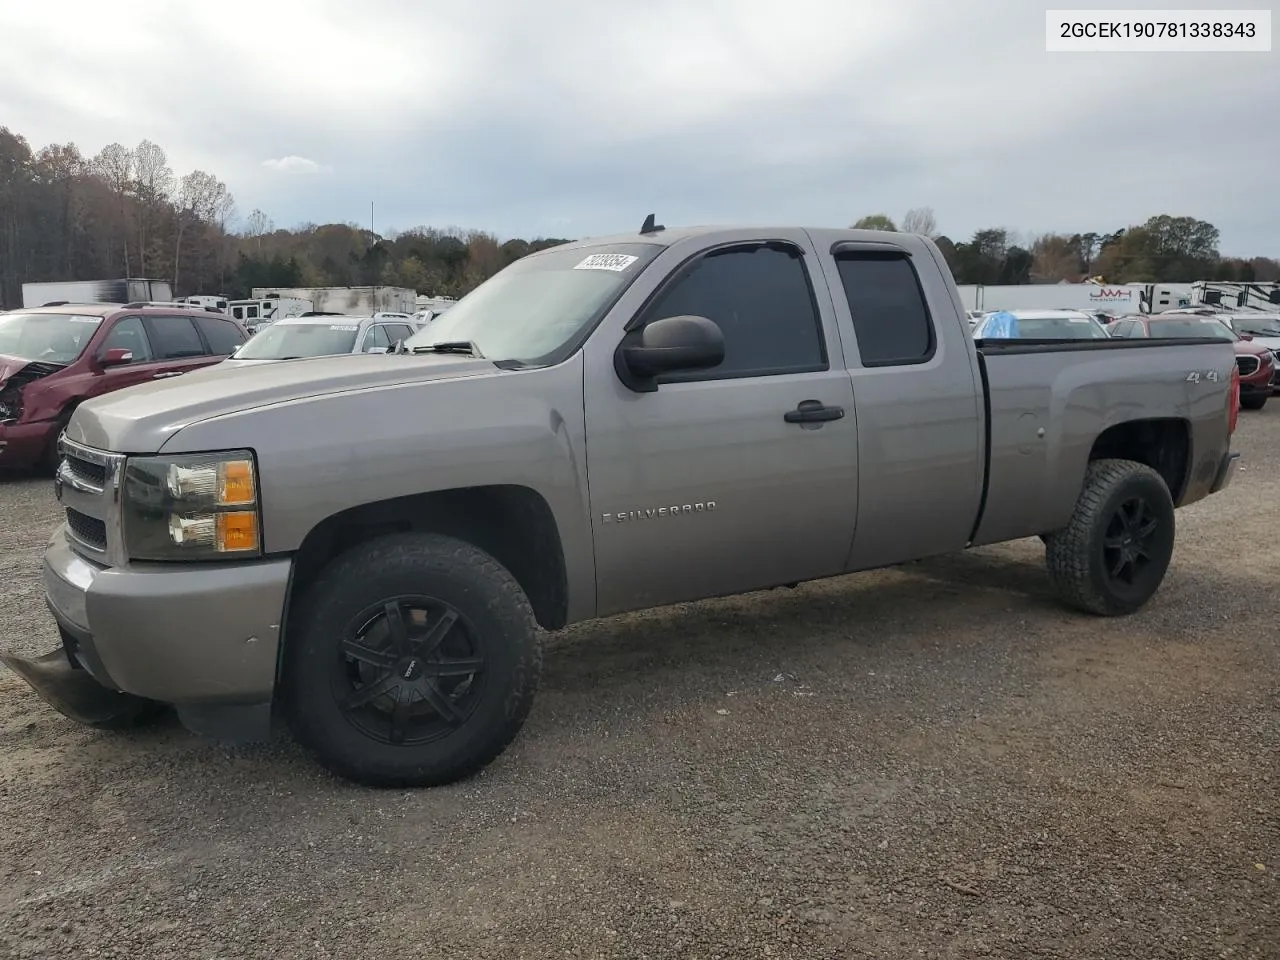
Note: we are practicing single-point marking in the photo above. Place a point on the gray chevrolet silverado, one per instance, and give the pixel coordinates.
(370, 547)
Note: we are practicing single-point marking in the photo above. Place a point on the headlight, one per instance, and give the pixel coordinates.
(202, 506)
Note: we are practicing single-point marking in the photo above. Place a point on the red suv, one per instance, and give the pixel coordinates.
(55, 356)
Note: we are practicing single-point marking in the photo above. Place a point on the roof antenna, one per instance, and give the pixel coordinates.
(649, 226)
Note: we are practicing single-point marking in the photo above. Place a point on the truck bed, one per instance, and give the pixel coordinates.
(1048, 402)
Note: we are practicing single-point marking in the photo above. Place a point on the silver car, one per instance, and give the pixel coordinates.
(322, 335)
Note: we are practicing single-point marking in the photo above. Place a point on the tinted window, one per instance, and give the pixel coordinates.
(400, 331)
(890, 318)
(376, 336)
(175, 338)
(761, 300)
(1189, 328)
(129, 335)
(223, 336)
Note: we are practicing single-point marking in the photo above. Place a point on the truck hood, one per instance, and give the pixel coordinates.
(140, 419)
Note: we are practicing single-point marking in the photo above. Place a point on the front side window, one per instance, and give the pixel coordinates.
(1190, 329)
(375, 337)
(761, 299)
(130, 335)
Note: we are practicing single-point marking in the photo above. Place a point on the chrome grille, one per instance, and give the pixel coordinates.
(1247, 365)
(93, 474)
(88, 486)
(87, 531)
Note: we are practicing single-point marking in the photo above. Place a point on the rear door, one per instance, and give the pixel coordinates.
(921, 419)
(177, 344)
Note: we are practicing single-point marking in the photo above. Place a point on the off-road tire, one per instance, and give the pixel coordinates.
(485, 596)
(1075, 554)
(1256, 402)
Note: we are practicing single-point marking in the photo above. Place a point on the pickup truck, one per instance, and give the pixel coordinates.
(371, 548)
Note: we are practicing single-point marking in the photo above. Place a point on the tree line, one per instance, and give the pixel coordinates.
(1164, 249)
(124, 213)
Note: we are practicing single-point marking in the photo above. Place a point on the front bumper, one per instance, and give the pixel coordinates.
(195, 634)
(24, 444)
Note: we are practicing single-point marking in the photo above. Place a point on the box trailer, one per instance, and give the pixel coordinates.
(96, 291)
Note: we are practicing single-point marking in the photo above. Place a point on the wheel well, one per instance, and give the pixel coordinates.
(513, 524)
(1163, 445)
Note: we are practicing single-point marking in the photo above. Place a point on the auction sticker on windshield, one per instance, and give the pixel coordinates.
(607, 261)
(344, 326)
(78, 319)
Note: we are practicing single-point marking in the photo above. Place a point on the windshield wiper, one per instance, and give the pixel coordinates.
(465, 347)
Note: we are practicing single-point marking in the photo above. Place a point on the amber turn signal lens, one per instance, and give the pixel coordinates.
(235, 482)
(237, 530)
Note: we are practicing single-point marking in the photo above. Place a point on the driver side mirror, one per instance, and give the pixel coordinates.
(116, 357)
(667, 346)
(1246, 336)
(397, 347)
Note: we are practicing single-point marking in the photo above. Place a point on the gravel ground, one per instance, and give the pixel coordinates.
(934, 761)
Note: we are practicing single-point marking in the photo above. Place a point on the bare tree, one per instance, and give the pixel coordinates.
(153, 183)
(200, 199)
(920, 220)
(115, 163)
(258, 226)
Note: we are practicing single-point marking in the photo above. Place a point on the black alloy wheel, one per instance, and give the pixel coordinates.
(410, 671)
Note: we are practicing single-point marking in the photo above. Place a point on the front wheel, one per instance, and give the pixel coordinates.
(414, 662)
(1113, 554)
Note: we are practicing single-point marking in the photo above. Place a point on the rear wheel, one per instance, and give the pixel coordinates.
(1254, 401)
(1113, 554)
(414, 662)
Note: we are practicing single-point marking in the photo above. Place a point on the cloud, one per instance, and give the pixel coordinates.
(294, 165)
(559, 116)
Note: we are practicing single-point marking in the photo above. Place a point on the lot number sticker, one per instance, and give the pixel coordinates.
(616, 262)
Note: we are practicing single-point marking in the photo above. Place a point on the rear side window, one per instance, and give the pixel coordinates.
(762, 301)
(175, 338)
(890, 317)
(223, 335)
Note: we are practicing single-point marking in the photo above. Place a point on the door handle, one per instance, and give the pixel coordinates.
(161, 376)
(813, 411)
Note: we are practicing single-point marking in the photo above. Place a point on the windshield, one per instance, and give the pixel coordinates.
(538, 306)
(1189, 328)
(1263, 328)
(49, 337)
(1061, 328)
(289, 341)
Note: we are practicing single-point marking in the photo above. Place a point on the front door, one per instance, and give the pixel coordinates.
(705, 487)
(127, 334)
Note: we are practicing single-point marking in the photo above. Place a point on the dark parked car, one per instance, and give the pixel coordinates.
(54, 357)
(1255, 362)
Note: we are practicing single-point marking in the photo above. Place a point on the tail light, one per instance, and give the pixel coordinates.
(1234, 416)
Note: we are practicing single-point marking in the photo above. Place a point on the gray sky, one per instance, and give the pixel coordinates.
(550, 118)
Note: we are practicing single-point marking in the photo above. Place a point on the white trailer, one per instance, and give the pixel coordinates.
(1249, 296)
(352, 301)
(96, 291)
(264, 310)
(1093, 297)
